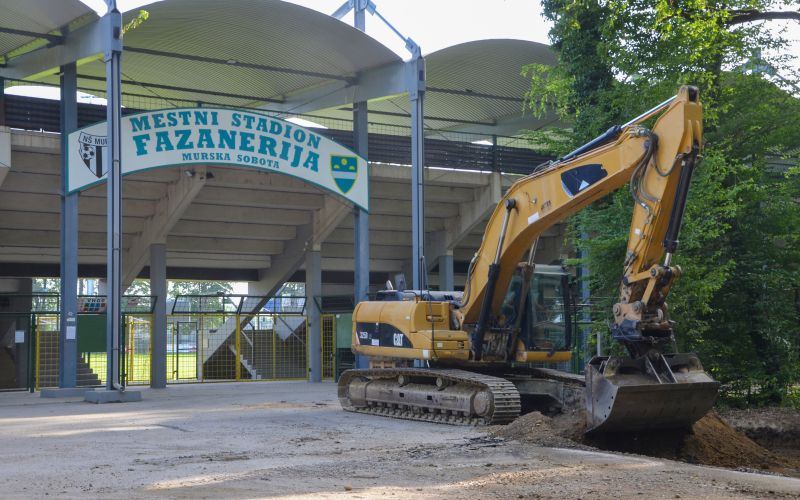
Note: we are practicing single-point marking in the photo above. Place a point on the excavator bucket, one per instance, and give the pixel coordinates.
(665, 391)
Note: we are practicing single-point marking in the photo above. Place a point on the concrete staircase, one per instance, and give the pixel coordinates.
(257, 357)
(49, 361)
(280, 353)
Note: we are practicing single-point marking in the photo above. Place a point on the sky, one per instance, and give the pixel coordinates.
(433, 24)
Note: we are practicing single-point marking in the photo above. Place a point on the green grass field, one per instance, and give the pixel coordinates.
(180, 366)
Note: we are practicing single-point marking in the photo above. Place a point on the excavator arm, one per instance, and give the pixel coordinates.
(657, 165)
(651, 388)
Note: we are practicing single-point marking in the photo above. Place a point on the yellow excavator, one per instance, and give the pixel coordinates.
(471, 357)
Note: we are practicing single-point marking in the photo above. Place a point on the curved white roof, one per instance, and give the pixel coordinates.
(260, 53)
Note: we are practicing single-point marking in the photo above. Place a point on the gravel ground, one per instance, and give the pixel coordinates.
(251, 440)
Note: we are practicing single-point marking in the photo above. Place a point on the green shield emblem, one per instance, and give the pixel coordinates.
(344, 170)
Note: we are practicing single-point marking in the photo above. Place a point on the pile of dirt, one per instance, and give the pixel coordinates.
(711, 441)
(714, 442)
(541, 430)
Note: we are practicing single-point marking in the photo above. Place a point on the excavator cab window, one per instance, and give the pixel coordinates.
(546, 325)
(546, 322)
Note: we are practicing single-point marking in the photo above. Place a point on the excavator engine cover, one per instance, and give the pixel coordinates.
(650, 392)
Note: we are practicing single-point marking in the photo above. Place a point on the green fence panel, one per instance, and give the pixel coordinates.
(91, 333)
(344, 330)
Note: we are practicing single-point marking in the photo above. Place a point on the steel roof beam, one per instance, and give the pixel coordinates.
(181, 89)
(238, 64)
(506, 126)
(387, 80)
(84, 42)
(46, 36)
(427, 117)
(471, 93)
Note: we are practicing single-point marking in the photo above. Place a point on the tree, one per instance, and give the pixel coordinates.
(736, 302)
(139, 287)
(176, 288)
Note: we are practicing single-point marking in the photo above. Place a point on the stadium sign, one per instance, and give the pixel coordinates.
(242, 138)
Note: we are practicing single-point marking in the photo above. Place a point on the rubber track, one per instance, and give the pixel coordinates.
(506, 405)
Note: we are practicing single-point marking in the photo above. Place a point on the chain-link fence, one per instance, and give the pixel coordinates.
(328, 346)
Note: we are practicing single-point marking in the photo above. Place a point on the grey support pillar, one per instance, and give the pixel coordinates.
(446, 272)
(158, 287)
(112, 59)
(415, 76)
(2, 101)
(313, 294)
(68, 343)
(360, 217)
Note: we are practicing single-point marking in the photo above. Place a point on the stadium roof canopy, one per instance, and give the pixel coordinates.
(240, 223)
(274, 55)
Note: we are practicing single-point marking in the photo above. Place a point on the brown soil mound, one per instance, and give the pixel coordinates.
(714, 442)
(541, 430)
(711, 441)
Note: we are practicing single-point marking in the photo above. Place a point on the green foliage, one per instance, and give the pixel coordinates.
(46, 285)
(176, 288)
(737, 303)
(137, 21)
(139, 287)
(292, 289)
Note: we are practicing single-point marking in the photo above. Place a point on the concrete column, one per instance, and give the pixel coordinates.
(446, 272)
(2, 101)
(68, 339)
(158, 287)
(313, 293)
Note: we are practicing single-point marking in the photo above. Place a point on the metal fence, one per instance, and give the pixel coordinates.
(209, 338)
(225, 338)
(328, 346)
(264, 347)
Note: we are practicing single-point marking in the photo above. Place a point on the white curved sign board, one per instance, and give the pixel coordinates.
(243, 138)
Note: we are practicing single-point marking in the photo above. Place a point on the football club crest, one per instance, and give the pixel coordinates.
(344, 170)
(94, 151)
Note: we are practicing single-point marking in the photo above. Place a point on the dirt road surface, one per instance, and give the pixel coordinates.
(252, 440)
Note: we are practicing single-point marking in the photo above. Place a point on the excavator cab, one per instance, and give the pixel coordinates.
(547, 313)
